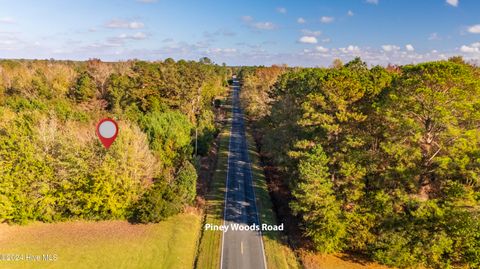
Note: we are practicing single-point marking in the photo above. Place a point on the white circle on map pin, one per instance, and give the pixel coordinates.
(107, 129)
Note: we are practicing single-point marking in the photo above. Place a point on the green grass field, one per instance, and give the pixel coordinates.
(106, 244)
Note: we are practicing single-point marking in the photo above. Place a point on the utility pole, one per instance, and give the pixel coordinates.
(196, 138)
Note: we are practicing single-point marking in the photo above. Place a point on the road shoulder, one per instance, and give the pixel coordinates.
(209, 249)
(278, 253)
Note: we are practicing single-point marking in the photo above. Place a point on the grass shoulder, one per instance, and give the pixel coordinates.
(278, 253)
(209, 249)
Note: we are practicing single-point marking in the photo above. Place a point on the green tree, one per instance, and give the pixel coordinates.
(432, 117)
(381, 161)
(316, 203)
(334, 114)
(119, 93)
(169, 134)
(84, 89)
(186, 183)
(70, 174)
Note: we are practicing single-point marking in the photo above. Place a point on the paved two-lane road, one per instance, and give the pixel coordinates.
(240, 249)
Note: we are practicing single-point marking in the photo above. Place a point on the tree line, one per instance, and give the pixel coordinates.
(53, 167)
(380, 161)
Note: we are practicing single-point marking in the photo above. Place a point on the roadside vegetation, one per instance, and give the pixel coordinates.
(53, 168)
(278, 253)
(209, 250)
(380, 162)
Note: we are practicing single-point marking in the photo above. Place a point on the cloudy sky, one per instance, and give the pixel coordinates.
(295, 32)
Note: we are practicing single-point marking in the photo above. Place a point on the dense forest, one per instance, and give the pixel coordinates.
(381, 161)
(53, 167)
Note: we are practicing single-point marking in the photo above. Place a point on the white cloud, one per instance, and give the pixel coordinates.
(409, 47)
(120, 39)
(468, 49)
(308, 40)
(137, 36)
(389, 48)
(7, 20)
(326, 40)
(135, 25)
(472, 48)
(264, 25)
(350, 13)
(350, 48)
(222, 50)
(124, 24)
(247, 18)
(301, 20)
(230, 50)
(453, 3)
(326, 19)
(375, 2)
(225, 32)
(220, 32)
(282, 10)
(311, 33)
(321, 49)
(474, 29)
(250, 21)
(434, 36)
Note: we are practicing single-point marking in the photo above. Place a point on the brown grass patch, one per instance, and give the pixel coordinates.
(77, 231)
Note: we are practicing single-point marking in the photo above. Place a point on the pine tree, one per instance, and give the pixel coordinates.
(315, 202)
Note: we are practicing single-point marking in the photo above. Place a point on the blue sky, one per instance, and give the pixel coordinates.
(261, 32)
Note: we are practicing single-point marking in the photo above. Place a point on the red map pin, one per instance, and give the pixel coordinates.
(107, 130)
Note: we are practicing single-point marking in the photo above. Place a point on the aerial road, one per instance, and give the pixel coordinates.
(240, 248)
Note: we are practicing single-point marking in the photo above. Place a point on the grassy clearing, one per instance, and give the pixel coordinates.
(279, 254)
(106, 244)
(209, 248)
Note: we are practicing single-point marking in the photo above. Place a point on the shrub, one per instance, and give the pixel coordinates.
(186, 183)
(157, 204)
(169, 134)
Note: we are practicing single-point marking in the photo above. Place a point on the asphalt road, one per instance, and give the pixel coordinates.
(240, 249)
